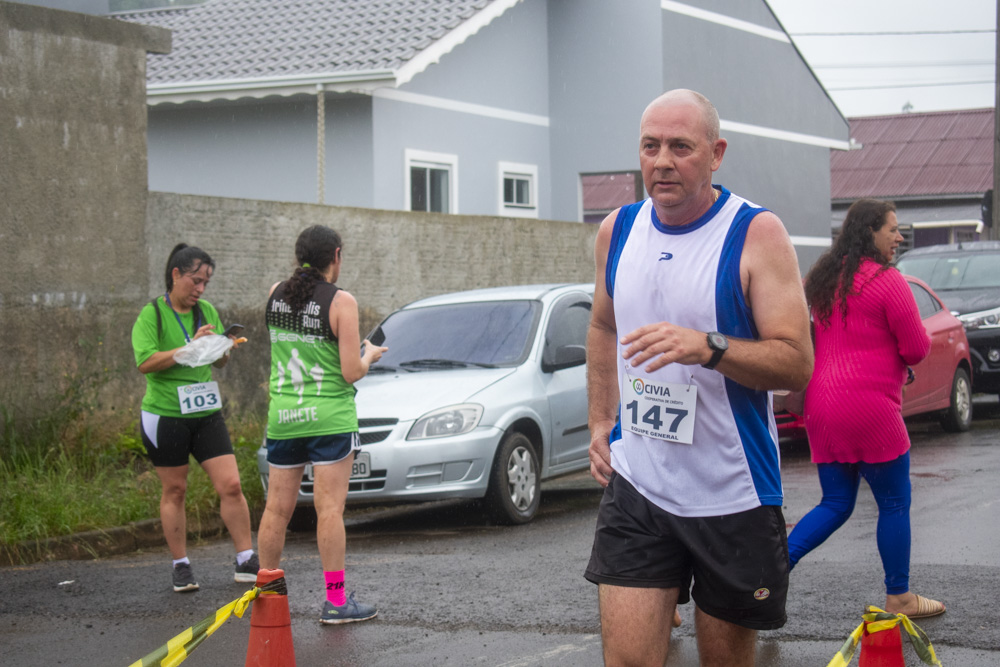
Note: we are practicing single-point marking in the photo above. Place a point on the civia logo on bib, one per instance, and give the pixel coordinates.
(638, 386)
(761, 594)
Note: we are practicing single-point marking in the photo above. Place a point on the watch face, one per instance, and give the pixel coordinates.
(717, 341)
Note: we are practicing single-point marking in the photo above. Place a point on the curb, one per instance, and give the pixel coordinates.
(94, 544)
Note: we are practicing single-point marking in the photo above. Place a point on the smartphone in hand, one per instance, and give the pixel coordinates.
(234, 330)
(377, 337)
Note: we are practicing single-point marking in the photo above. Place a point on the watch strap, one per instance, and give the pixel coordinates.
(716, 358)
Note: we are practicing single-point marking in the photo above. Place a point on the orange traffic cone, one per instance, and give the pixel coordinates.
(270, 625)
(881, 649)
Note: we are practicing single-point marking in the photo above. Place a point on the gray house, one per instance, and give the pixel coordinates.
(524, 108)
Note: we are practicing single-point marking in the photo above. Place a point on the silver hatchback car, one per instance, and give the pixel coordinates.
(481, 394)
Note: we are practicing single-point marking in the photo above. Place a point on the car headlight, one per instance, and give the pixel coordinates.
(453, 420)
(986, 319)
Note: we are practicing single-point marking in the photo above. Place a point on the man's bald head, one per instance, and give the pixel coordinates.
(683, 96)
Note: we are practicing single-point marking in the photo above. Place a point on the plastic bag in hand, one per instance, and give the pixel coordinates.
(204, 350)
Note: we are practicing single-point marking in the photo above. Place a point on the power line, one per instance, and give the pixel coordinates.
(911, 85)
(939, 63)
(893, 33)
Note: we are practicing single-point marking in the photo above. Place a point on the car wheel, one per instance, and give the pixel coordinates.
(958, 416)
(303, 519)
(514, 491)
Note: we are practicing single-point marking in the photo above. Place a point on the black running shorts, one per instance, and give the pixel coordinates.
(169, 440)
(739, 562)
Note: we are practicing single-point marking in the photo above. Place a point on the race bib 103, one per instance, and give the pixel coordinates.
(199, 397)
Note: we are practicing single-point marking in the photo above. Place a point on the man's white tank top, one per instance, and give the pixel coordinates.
(690, 276)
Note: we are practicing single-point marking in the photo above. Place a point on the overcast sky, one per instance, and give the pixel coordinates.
(878, 74)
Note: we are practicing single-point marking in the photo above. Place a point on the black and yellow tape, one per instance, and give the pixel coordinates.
(176, 650)
(879, 620)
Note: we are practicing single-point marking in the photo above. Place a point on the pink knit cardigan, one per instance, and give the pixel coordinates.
(852, 404)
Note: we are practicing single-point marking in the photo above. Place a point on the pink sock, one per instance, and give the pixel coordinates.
(335, 588)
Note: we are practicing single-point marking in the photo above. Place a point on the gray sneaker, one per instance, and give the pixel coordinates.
(349, 612)
(184, 578)
(247, 573)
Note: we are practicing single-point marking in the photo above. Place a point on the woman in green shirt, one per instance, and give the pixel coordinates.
(316, 357)
(181, 412)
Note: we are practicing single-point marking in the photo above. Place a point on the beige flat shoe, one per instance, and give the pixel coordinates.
(926, 608)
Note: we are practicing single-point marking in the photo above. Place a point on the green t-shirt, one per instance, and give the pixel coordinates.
(161, 387)
(309, 395)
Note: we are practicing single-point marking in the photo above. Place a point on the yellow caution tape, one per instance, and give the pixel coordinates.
(176, 651)
(879, 620)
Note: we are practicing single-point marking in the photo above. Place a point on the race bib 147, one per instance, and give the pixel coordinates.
(661, 410)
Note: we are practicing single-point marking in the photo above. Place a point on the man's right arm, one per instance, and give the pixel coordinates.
(602, 362)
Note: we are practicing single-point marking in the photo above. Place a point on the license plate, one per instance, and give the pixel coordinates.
(361, 468)
(362, 465)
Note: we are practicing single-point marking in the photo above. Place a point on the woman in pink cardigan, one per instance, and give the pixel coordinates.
(868, 331)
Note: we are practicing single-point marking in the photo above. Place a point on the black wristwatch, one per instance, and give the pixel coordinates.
(718, 344)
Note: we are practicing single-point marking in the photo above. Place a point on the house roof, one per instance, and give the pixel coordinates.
(226, 49)
(916, 155)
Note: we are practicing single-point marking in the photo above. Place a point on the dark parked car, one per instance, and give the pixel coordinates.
(941, 381)
(967, 278)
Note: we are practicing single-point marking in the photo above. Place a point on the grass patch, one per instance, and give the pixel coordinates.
(90, 473)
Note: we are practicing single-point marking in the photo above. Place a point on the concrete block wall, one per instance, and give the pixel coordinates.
(72, 200)
(390, 259)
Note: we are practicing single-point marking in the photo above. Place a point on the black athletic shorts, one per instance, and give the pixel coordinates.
(739, 562)
(169, 440)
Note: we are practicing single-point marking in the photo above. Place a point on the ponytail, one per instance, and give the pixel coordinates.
(315, 249)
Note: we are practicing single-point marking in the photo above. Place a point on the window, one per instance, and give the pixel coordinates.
(926, 304)
(518, 190)
(566, 337)
(603, 193)
(492, 333)
(431, 182)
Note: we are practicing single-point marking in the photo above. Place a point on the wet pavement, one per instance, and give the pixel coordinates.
(454, 590)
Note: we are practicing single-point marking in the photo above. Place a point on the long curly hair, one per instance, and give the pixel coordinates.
(316, 246)
(188, 259)
(831, 279)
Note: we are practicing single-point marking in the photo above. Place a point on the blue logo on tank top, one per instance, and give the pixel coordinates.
(665, 256)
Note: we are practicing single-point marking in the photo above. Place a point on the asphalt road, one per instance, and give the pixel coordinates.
(454, 590)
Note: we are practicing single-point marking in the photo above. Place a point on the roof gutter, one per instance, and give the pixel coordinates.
(284, 86)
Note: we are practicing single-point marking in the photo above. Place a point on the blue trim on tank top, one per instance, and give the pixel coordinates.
(694, 224)
(750, 410)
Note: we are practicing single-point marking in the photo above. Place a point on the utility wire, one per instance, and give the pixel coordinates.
(892, 33)
(939, 63)
(910, 85)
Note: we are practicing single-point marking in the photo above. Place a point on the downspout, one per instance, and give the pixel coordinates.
(320, 144)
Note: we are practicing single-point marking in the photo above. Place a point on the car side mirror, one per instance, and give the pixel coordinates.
(566, 356)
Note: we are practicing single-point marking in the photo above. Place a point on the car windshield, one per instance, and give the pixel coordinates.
(495, 333)
(955, 272)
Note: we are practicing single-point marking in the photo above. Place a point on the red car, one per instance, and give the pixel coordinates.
(942, 382)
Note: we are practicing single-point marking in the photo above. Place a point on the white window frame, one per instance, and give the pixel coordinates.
(517, 169)
(418, 158)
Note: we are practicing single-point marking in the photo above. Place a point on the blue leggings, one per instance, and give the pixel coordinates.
(890, 484)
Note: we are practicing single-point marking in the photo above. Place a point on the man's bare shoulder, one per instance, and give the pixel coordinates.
(606, 230)
(765, 224)
(767, 236)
